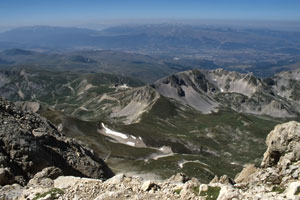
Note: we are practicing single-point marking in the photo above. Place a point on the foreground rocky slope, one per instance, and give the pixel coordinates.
(277, 178)
(30, 143)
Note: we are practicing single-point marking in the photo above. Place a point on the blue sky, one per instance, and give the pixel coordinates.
(63, 12)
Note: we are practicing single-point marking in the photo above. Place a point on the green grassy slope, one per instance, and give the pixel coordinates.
(203, 145)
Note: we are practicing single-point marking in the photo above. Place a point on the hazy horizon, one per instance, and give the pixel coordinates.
(101, 14)
(289, 25)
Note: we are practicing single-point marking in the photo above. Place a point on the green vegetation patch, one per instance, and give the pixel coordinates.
(297, 191)
(278, 189)
(212, 193)
(177, 191)
(54, 192)
(196, 190)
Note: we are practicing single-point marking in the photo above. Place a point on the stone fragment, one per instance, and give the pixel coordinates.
(148, 185)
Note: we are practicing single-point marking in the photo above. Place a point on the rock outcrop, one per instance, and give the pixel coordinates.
(30, 143)
(283, 145)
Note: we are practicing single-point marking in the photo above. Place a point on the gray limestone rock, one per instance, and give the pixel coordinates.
(29, 143)
(283, 145)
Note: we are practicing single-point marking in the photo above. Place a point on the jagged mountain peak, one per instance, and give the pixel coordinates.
(287, 85)
(292, 74)
(209, 90)
(190, 88)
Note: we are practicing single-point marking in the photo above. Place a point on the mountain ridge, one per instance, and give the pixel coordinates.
(156, 121)
(240, 92)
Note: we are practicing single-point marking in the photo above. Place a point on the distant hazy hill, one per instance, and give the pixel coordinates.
(142, 67)
(49, 37)
(263, 52)
(164, 38)
(147, 68)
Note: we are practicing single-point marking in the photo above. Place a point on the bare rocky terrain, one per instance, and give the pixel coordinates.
(124, 100)
(209, 90)
(30, 143)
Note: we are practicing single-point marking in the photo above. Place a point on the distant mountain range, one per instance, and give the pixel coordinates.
(147, 68)
(164, 38)
(261, 51)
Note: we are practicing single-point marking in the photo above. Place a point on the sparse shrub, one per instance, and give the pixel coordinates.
(297, 191)
(54, 192)
(196, 190)
(212, 193)
(278, 189)
(177, 191)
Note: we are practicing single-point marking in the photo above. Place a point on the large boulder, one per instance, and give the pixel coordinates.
(29, 143)
(283, 145)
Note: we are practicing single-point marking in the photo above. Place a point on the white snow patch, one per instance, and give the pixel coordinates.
(162, 156)
(83, 108)
(166, 149)
(133, 137)
(180, 164)
(115, 133)
(130, 143)
(183, 162)
(123, 86)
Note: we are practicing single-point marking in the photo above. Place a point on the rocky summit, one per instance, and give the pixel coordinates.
(27, 141)
(30, 143)
(210, 90)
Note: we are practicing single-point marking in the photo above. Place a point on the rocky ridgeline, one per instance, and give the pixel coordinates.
(276, 178)
(209, 90)
(30, 143)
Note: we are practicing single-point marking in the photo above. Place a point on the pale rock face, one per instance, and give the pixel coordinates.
(293, 189)
(245, 174)
(283, 144)
(206, 91)
(203, 188)
(134, 103)
(65, 182)
(116, 179)
(228, 192)
(29, 106)
(235, 82)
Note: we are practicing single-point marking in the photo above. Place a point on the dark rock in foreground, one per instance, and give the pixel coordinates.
(30, 143)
